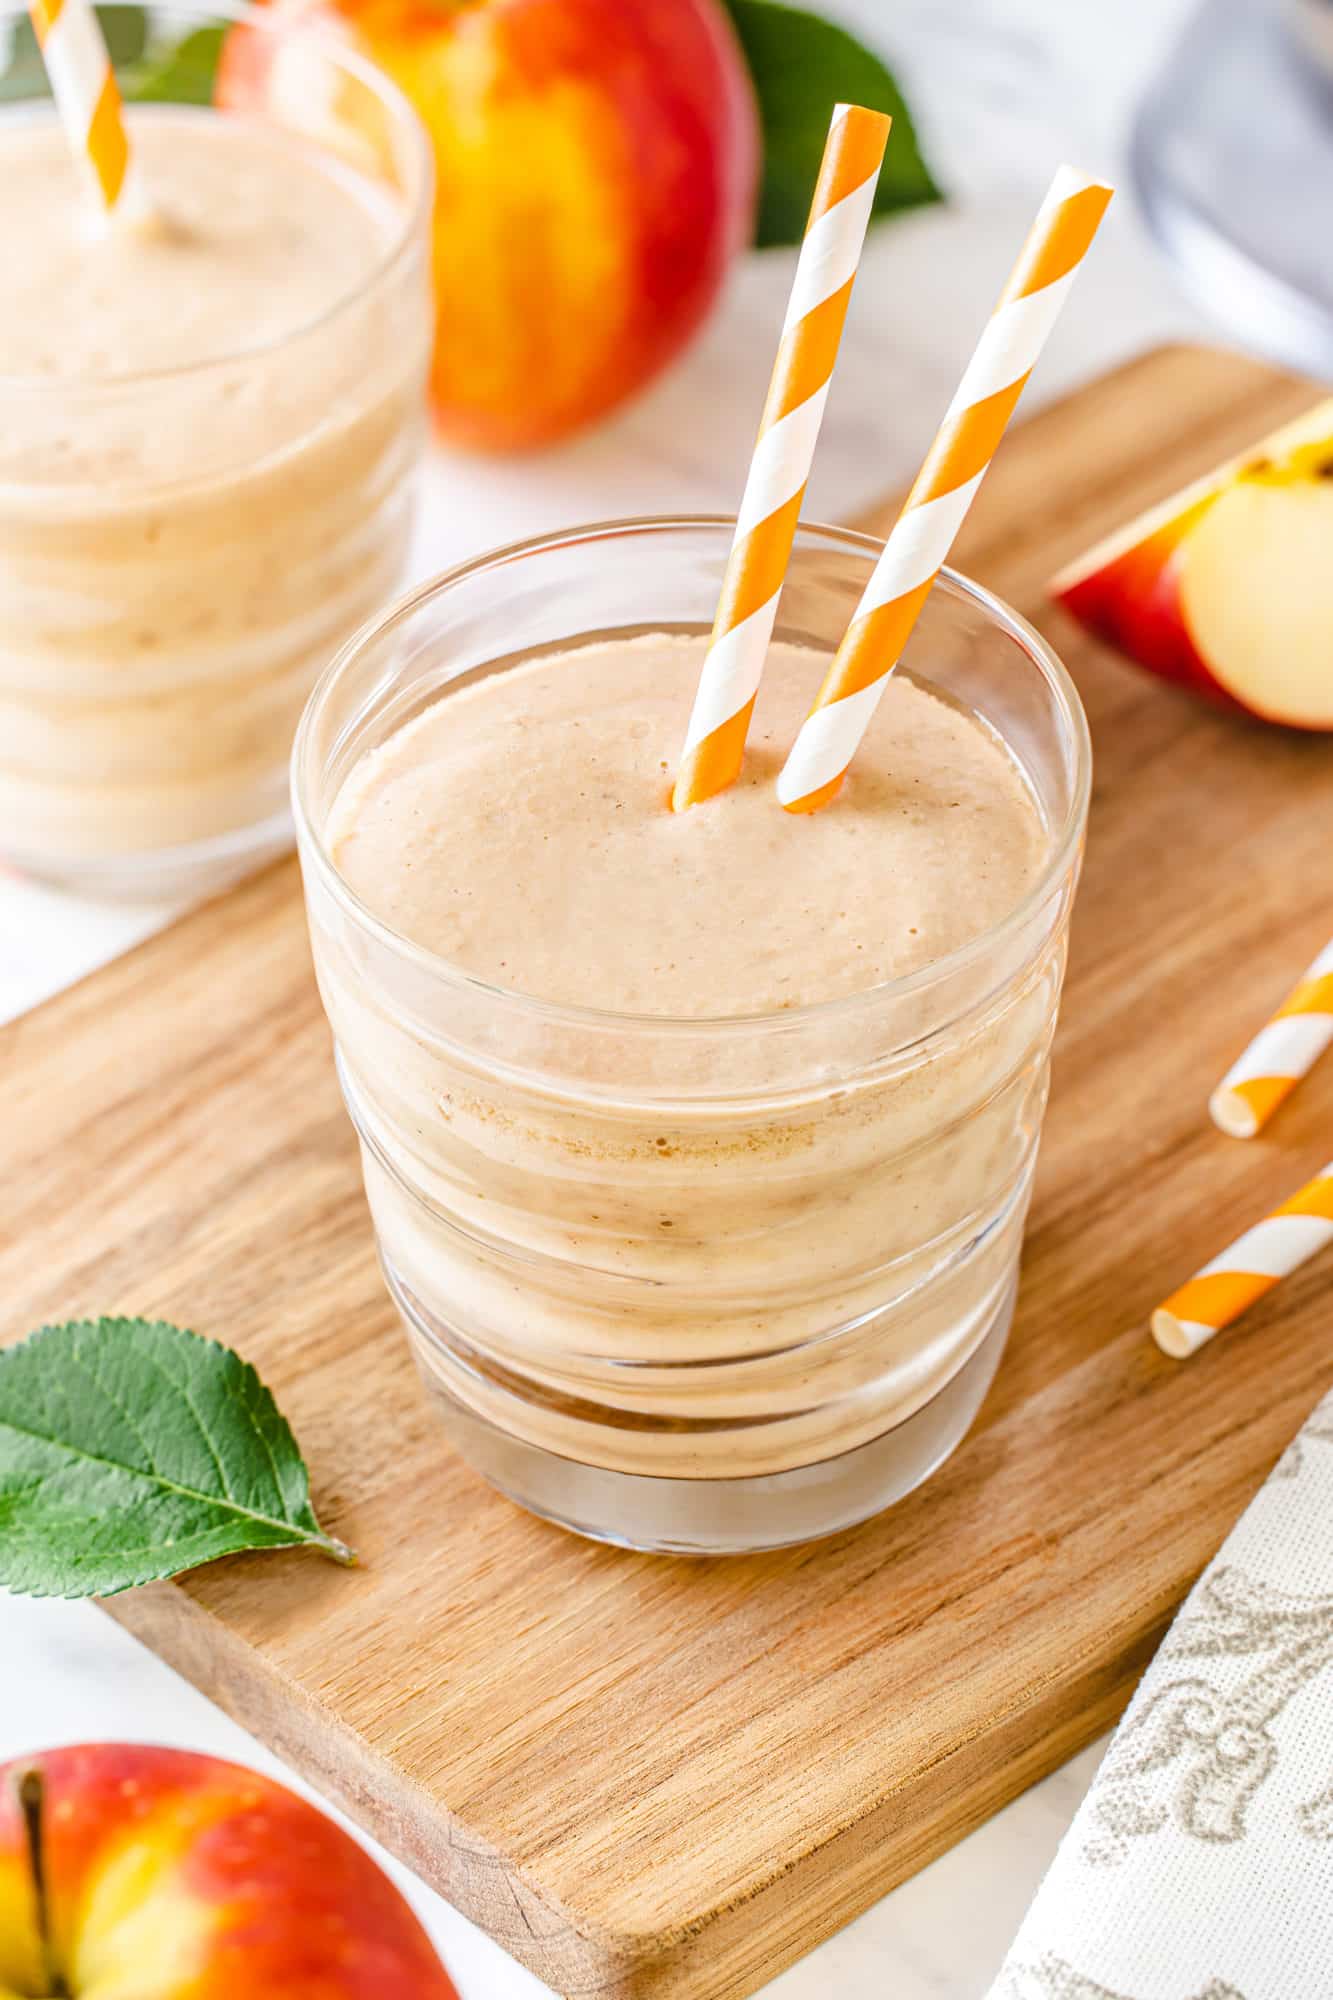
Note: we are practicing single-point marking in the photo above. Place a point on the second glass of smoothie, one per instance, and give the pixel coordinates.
(211, 411)
(698, 1146)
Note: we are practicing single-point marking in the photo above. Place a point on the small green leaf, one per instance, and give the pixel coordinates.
(22, 73)
(24, 76)
(130, 1450)
(182, 75)
(802, 66)
(126, 32)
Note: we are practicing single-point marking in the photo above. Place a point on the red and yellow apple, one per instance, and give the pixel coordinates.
(1227, 587)
(596, 165)
(131, 1872)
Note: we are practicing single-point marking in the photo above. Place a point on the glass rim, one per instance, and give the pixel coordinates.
(417, 207)
(1064, 845)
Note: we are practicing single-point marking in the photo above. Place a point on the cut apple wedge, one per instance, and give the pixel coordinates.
(1227, 587)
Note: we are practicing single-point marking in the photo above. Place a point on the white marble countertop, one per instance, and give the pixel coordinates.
(1003, 90)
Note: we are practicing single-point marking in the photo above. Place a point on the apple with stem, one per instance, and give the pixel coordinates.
(133, 1872)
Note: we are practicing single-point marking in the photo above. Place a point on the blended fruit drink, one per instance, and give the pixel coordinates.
(698, 1145)
(210, 413)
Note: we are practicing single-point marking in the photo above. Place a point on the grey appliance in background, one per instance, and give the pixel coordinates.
(1233, 165)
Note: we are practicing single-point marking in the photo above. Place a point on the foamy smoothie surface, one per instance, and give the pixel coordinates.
(520, 829)
(239, 236)
(251, 234)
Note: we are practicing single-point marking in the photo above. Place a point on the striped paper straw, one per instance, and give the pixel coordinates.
(945, 486)
(1280, 1055)
(1227, 1287)
(84, 87)
(780, 467)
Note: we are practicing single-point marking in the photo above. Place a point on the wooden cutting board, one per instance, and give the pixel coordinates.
(664, 1777)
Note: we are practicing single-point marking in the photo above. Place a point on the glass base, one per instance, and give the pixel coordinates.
(195, 870)
(716, 1517)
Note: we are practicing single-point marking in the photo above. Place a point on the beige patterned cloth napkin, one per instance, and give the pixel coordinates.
(1200, 1865)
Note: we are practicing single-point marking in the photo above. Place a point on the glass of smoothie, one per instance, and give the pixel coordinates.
(211, 409)
(698, 1146)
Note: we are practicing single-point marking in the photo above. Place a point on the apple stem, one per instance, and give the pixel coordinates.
(32, 1805)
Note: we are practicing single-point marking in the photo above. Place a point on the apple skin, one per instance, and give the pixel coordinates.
(21, 1967)
(1226, 588)
(1133, 602)
(596, 169)
(174, 1876)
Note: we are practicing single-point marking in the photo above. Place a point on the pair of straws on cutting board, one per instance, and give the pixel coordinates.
(1286, 1049)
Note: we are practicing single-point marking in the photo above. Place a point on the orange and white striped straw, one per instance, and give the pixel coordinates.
(944, 490)
(784, 450)
(1224, 1289)
(83, 84)
(1282, 1052)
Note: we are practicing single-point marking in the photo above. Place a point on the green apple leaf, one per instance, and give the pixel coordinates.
(802, 66)
(131, 1450)
(22, 72)
(184, 74)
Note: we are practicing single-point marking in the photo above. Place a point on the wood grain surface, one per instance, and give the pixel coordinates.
(649, 1776)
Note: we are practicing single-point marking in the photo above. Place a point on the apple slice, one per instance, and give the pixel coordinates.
(1227, 587)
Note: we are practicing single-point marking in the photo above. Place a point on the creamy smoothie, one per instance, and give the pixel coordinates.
(646, 1245)
(210, 413)
(517, 828)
